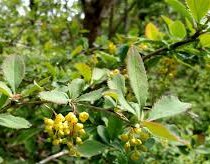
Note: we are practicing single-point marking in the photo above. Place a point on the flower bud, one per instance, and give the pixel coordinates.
(133, 142)
(78, 127)
(127, 146)
(48, 121)
(78, 140)
(56, 142)
(124, 137)
(81, 132)
(83, 116)
(137, 130)
(135, 156)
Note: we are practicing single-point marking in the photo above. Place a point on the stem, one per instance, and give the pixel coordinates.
(109, 110)
(173, 46)
(54, 156)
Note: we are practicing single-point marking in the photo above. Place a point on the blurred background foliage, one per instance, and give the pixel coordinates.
(62, 39)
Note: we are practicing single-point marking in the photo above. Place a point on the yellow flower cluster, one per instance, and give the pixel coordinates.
(133, 141)
(112, 48)
(66, 130)
(114, 72)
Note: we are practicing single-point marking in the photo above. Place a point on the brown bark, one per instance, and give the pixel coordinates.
(95, 11)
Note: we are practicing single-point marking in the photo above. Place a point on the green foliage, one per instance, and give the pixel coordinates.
(167, 106)
(177, 29)
(95, 98)
(4, 89)
(14, 70)
(93, 148)
(160, 131)
(54, 96)
(137, 76)
(13, 122)
(198, 8)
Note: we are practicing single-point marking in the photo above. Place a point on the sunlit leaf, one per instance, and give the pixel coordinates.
(84, 70)
(205, 40)
(177, 29)
(198, 8)
(160, 131)
(152, 32)
(4, 89)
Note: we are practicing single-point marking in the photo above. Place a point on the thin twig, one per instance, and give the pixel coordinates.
(109, 110)
(174, 45)
(54, 156)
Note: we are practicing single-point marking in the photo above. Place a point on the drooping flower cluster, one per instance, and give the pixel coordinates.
(66, 130)
(133, 141)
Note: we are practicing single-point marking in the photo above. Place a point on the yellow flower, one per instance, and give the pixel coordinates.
(83, 116)
(56, 142)
(81, 132)
(70, 116)
(78, 140)
(69, 144)
(124, 137)
(127, 146)
(78, 127)
(137, 130)
(48, 121)
(133, 142)
(66, 131)
(58, 126)
(112, 48)
(59, 118)
(135, 156)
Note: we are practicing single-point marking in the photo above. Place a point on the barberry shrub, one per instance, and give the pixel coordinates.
(104, 112)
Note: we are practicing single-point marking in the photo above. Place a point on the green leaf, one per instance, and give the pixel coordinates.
(205, 40)
(167, 106)
(118, 83)
(98, 75)
(84, 70)
(3, 100)
(114, 127)
(137, 75)
(111, 93)
(198, 8)
(4, 89)
(91, 96)
(10, 121)
(14, 70)
(167, 20)
(180, 8)
(91, 148)
(102, 132)
(76, 87)
(177, 29)
(160, 131)
(54, 97)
